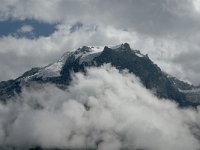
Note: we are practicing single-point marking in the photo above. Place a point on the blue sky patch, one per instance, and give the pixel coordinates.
(26, 28)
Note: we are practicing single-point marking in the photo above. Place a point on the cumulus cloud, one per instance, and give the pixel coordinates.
(17, 55)
(103, 109)
(157, 17)
(196, 4)
(26, 28)
(162, 28)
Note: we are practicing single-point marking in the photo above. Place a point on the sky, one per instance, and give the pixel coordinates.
(35, 32)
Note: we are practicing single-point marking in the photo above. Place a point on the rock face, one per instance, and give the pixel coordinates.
(122, 57)
(191, 92)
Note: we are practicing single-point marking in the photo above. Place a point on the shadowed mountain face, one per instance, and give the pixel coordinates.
(122, 57)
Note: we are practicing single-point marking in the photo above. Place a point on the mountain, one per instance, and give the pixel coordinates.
(120, 56)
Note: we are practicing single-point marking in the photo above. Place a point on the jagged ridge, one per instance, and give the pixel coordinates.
(121, 56)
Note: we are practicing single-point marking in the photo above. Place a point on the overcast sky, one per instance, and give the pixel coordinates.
(37, 32)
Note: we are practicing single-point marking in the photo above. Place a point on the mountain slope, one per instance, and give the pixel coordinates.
(121, 56)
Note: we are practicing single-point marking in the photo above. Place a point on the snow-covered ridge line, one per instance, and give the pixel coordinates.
(89, 57)
(96, 48)
(83, 54)
(51, 70)
(95, 51)
(54, 69)
(115, 46)
(197, 90)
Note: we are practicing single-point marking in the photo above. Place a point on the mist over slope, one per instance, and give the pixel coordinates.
(104, 109)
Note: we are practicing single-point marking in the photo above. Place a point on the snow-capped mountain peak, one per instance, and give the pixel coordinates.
(120, 56)
(85, 54)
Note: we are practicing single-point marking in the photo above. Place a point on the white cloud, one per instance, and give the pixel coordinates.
(164, 29)
(20, 54)
(196, 4)
(112, 109)
(26, 28)
(128, 114)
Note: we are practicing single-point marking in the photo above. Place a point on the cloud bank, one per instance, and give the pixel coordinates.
(104, 109)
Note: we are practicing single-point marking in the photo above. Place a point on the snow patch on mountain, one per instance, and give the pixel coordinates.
(139, 55)
(84, 54)
(115, 46)
(96, 48)
(95, 51)
(194, 90)
(89, 57)
(53, 70)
